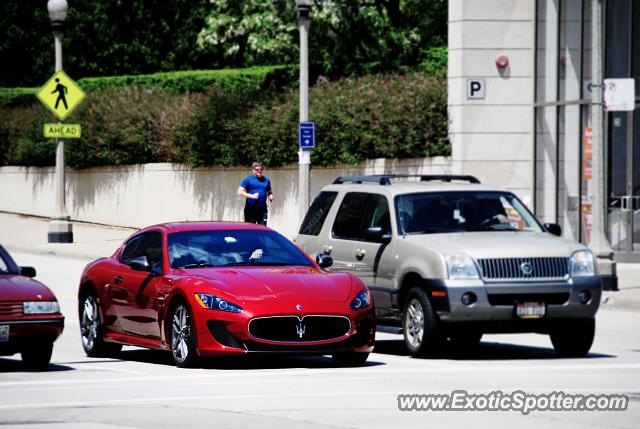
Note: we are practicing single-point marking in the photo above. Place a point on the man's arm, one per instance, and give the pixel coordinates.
(269, 191)
(243, 193)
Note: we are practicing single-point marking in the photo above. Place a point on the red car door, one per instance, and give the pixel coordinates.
(136, 284)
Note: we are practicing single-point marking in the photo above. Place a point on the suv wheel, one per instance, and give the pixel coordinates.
(420, 325)
(573, 338)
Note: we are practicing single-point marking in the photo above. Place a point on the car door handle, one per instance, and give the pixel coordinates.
(360, 253)
(327, 249)
(117, 280)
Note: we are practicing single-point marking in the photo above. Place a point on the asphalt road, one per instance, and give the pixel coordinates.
(143, 389)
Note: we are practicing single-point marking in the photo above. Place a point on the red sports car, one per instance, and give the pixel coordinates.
(221, 288)
(30, 319)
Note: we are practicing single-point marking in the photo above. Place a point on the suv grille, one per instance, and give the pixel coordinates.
(10, 309)
(527, 269)
(296, 330)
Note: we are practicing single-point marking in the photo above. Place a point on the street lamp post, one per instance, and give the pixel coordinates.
(60, 228)
(304, 155)
(599, 241)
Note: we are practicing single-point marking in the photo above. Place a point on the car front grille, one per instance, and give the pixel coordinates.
(299, 330)
(10, 309)
(524, 269)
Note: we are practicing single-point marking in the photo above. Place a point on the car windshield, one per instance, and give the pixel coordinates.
(7, 264)
(443, 212)
(216, 248)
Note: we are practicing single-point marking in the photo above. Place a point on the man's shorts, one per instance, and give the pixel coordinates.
(255, 215)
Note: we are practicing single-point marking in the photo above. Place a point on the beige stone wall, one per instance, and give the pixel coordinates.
(492, 138)
(142, 195)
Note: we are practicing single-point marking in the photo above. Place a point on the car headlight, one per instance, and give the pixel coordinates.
(461, 266)
(213, 302)
(582, 264)
(40, 307)
(361, 301)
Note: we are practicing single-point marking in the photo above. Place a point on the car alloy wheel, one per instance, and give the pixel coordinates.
(414, 323)
(89, 322)
(182, 340)
(91, 331)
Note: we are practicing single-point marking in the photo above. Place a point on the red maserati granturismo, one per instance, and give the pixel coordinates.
(30, 318)
(222, 288)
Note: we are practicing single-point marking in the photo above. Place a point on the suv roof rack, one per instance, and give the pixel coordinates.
(385, 179)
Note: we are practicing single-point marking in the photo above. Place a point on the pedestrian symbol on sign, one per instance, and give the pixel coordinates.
(62, 92)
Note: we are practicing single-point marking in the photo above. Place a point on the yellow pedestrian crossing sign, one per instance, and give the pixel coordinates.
(61, 95)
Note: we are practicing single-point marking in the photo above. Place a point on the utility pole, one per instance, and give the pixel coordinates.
(599, 241)
(304, 155)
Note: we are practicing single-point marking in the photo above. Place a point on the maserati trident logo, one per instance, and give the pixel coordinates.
(300, 329)
(526, 268)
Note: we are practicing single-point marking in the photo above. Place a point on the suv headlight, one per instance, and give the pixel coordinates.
(582, 264)
(461, 266)
(361, 301)
(40, 307)
(213, 302)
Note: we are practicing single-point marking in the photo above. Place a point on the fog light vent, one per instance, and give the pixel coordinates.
(469, 298)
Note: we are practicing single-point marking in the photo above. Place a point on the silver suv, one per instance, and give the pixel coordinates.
(447, 258)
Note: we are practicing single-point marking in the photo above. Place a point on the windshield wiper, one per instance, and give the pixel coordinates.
(199, 265)
(249, 263)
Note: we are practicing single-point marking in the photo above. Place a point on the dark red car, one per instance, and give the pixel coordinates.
(212, 288)
(30, 319)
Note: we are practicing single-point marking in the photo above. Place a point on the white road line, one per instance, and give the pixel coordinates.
(355, 394)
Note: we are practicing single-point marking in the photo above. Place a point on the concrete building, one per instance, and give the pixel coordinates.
(519, 103)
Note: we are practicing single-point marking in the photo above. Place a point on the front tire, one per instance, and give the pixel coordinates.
(91, 330)
(37, 357)
(183, 344)
(351, 360)
(573, 338)
(422, 334)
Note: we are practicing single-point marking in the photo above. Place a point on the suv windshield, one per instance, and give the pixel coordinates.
(215, 248)
(441, 212)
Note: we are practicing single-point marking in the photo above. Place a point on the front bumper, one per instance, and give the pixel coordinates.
(220, 333)
(28, 331)
(496, 301)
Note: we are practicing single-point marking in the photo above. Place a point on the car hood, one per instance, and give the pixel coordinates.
(14, 287)
(498, 244)
(285, 284)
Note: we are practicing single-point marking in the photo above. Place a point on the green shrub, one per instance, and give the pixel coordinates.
(230, 123)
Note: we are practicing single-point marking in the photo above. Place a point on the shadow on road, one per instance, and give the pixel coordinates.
(160, 357)
(15, 365)
(486, 350)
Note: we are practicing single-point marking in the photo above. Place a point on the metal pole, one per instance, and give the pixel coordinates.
(60, 229)
(304, 156)
(599, 240)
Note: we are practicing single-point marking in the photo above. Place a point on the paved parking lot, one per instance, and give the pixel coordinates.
(144, 389)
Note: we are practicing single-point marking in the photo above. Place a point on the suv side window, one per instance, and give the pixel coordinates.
(378, 214)
(313, 221)
(348, 222)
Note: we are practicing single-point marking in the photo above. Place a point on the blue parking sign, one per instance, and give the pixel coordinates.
(307, 135)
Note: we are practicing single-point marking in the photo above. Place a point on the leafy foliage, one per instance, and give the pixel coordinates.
(390, 115)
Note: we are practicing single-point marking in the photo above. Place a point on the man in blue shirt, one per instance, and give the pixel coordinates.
(256, 188)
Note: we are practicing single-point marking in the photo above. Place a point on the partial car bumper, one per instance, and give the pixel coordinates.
(29, 331)
(576, 298)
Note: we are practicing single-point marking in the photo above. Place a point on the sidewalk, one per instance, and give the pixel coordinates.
(29, 234)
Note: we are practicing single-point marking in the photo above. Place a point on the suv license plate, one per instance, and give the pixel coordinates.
(4, 333)
(530, 310)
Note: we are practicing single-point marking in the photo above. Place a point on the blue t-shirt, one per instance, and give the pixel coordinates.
(262, 186)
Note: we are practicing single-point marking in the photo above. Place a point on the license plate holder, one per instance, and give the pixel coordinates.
(4, 333)
(530, 310)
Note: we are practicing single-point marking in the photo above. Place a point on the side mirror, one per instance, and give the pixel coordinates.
(324, 260)
(139, 264)
(554, 228)
(28, 272)
(377, 235)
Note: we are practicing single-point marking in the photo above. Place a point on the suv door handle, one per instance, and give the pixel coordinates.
(327, 249)
(118, 280)
(360, 253)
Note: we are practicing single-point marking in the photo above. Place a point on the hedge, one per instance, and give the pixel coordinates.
(233, 118)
